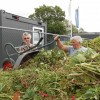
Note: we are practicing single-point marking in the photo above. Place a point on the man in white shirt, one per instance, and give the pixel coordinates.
(74, 47)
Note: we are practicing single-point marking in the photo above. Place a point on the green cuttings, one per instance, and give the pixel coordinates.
(53, 75)
(87, 56)
(90, 53)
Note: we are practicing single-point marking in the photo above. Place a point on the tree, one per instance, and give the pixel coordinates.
(74, 29)
(53, 16)
(55, 19)
(81, 30)
(68, 26)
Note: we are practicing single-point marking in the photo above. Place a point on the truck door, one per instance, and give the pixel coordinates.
(37, 34)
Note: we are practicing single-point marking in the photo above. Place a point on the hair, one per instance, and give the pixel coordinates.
(27, 34)
(77, 38)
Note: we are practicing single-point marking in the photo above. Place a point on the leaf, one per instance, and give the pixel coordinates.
(1, 86)
(25, 83)
(43, 94)
(16, 95)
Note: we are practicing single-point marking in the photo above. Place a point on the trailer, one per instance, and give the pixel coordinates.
(12, 27)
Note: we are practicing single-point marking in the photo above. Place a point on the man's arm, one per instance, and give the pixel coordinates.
(60, 44)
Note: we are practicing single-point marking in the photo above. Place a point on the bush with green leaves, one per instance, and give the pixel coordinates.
(53, 75)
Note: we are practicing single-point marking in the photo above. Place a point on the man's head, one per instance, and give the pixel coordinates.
(26, 37)
(76, 41)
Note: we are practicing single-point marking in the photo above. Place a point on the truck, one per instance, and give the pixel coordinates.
(12, 27)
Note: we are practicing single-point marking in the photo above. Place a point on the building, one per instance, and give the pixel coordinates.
(13, 26)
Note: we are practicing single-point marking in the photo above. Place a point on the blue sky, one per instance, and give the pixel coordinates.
(89, 10)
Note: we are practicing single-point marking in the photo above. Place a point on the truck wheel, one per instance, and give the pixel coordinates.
(8, 64)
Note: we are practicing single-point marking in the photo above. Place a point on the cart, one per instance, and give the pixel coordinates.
(22, 55)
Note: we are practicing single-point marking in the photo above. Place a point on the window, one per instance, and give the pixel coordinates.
(37, 34)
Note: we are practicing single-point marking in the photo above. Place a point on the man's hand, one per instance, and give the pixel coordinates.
(56, 37)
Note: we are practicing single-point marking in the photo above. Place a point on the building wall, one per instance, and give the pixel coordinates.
(14, 36)
(88, 35)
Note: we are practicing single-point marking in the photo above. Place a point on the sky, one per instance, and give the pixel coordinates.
(89, 10)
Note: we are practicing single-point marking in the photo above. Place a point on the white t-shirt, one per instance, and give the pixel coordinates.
(72, 50)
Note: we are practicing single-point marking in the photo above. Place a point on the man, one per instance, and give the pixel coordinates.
(26, 37)
(74, 47)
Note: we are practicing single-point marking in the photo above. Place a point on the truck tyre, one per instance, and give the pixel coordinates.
(8, 64)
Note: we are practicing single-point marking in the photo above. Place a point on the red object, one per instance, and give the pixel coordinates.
(25, 83)
(15, 17)
(7, 65)
(43, 94)
(16, 95)
(73, 98)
